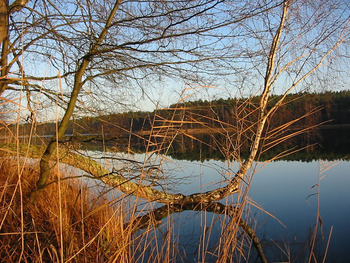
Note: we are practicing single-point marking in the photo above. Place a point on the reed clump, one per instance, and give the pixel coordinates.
(68, 222)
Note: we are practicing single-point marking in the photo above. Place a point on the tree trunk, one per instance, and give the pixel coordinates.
(4, 40)
(45, 168)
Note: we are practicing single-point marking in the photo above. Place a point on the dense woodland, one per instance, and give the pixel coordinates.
(328, 108)
(308, 118)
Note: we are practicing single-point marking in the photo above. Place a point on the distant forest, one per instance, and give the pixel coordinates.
(319, 123)
(328, 108)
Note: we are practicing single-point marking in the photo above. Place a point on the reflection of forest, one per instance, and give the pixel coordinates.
(326, 144)
(224, 128)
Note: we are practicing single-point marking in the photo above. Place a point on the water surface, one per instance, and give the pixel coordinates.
(292, 191)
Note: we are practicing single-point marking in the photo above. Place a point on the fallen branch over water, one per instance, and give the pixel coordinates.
(118, 181)
(174, 203)
(154, 217)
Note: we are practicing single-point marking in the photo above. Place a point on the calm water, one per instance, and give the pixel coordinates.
(286, 189)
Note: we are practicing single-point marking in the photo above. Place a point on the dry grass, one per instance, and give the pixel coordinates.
(70, 228)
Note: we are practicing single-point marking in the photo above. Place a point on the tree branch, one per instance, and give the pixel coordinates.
(154, 217)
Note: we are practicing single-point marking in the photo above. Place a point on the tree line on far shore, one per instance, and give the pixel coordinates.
(307, 109)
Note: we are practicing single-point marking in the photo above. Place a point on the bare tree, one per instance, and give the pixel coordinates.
(98, 44)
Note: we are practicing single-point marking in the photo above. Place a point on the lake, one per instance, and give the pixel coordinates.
(285, 189)
(288, 190)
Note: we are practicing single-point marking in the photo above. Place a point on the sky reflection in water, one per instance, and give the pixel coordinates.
(282, 188)
(285, 189)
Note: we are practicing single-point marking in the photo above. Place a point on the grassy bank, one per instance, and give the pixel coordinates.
(67, 223)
